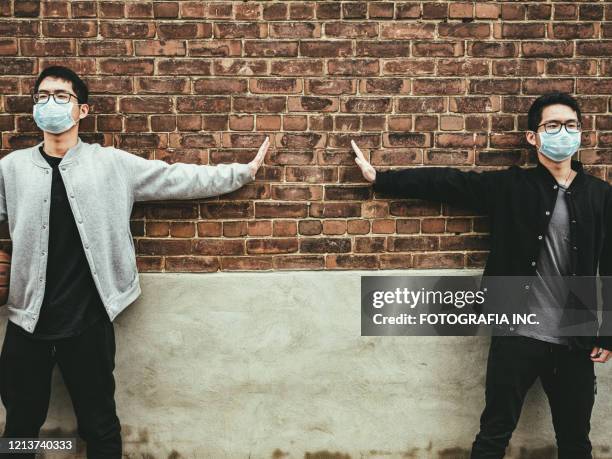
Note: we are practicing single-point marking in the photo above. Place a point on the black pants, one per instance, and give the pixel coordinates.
(86, 362)
(568, 379)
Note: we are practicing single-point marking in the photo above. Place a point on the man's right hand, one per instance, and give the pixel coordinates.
(369, 173)
(601, 355)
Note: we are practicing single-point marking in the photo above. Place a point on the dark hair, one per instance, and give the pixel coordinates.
(66, 74)
(536, 109)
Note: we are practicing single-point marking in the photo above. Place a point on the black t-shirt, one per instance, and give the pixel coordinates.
(71, 302)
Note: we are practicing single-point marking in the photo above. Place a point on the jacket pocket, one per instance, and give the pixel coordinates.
(122, 260)
(132, 255)
(129, 235)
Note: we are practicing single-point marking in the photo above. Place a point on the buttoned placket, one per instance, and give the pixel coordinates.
(572, 229)
(572, 232)
(43, 263)
(540, 237)
(573, 240)
(548, 215)
(79, 219)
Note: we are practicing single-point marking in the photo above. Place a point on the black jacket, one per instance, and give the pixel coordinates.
(519, 203)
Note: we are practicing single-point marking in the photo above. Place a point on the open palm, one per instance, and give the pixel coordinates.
(259, 157)
(369, 173)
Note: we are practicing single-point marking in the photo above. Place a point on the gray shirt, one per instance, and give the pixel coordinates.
(549, 290)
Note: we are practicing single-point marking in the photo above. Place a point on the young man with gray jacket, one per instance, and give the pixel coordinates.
(68, 205)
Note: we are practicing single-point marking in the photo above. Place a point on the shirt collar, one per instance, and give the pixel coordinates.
(575, 165)
(70, 155)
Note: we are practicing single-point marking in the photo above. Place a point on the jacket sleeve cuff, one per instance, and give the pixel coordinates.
(382, 184)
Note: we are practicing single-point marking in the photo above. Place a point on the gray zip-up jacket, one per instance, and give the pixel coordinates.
(102, 184)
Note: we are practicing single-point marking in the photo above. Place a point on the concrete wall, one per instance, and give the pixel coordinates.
(272, 365)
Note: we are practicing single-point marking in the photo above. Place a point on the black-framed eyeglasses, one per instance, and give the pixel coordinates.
(553, 127)
(59, 97)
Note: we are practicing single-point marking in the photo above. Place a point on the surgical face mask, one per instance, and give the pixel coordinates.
(53, 117)
(559, 146)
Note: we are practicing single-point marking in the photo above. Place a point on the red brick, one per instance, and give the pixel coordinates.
(185, 30)
(383, 48)
(519, 31)
(382, 10)
(58, 9)
(352, 67)
(165, 10)
(301, 11)
(407, 30)
(461, 10)
(26, 8)
(254, 48)
(239, 30)
(538, 12)
(191, 264)
(565, 11)
(573, 31)
(540, 86)
(354, 10)
(487, 11)
(295, 30)
(334, 227)
(336, 48)
(139, 10)
(435, 10)
(328, 10)
(437, 48)
(83, 29)
(285, 228)
(325, 245)
(160, 48)
(132, 29)
(130, 66)
(464, 30)
(422, 86)
(351, 29)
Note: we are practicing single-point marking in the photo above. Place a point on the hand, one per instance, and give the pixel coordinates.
(369, 173)
(259, 158)
(603, 357)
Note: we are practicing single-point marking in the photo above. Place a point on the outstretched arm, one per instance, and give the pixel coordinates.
(154, 179)
(446, 184)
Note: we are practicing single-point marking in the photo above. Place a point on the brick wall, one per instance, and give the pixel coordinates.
(414, 83)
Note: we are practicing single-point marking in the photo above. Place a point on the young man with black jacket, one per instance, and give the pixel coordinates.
(68, 205)
(547, 222)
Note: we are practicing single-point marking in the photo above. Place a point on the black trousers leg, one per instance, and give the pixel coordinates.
(512, 368)
(26, 366)
(87, 362)
(570, 388)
